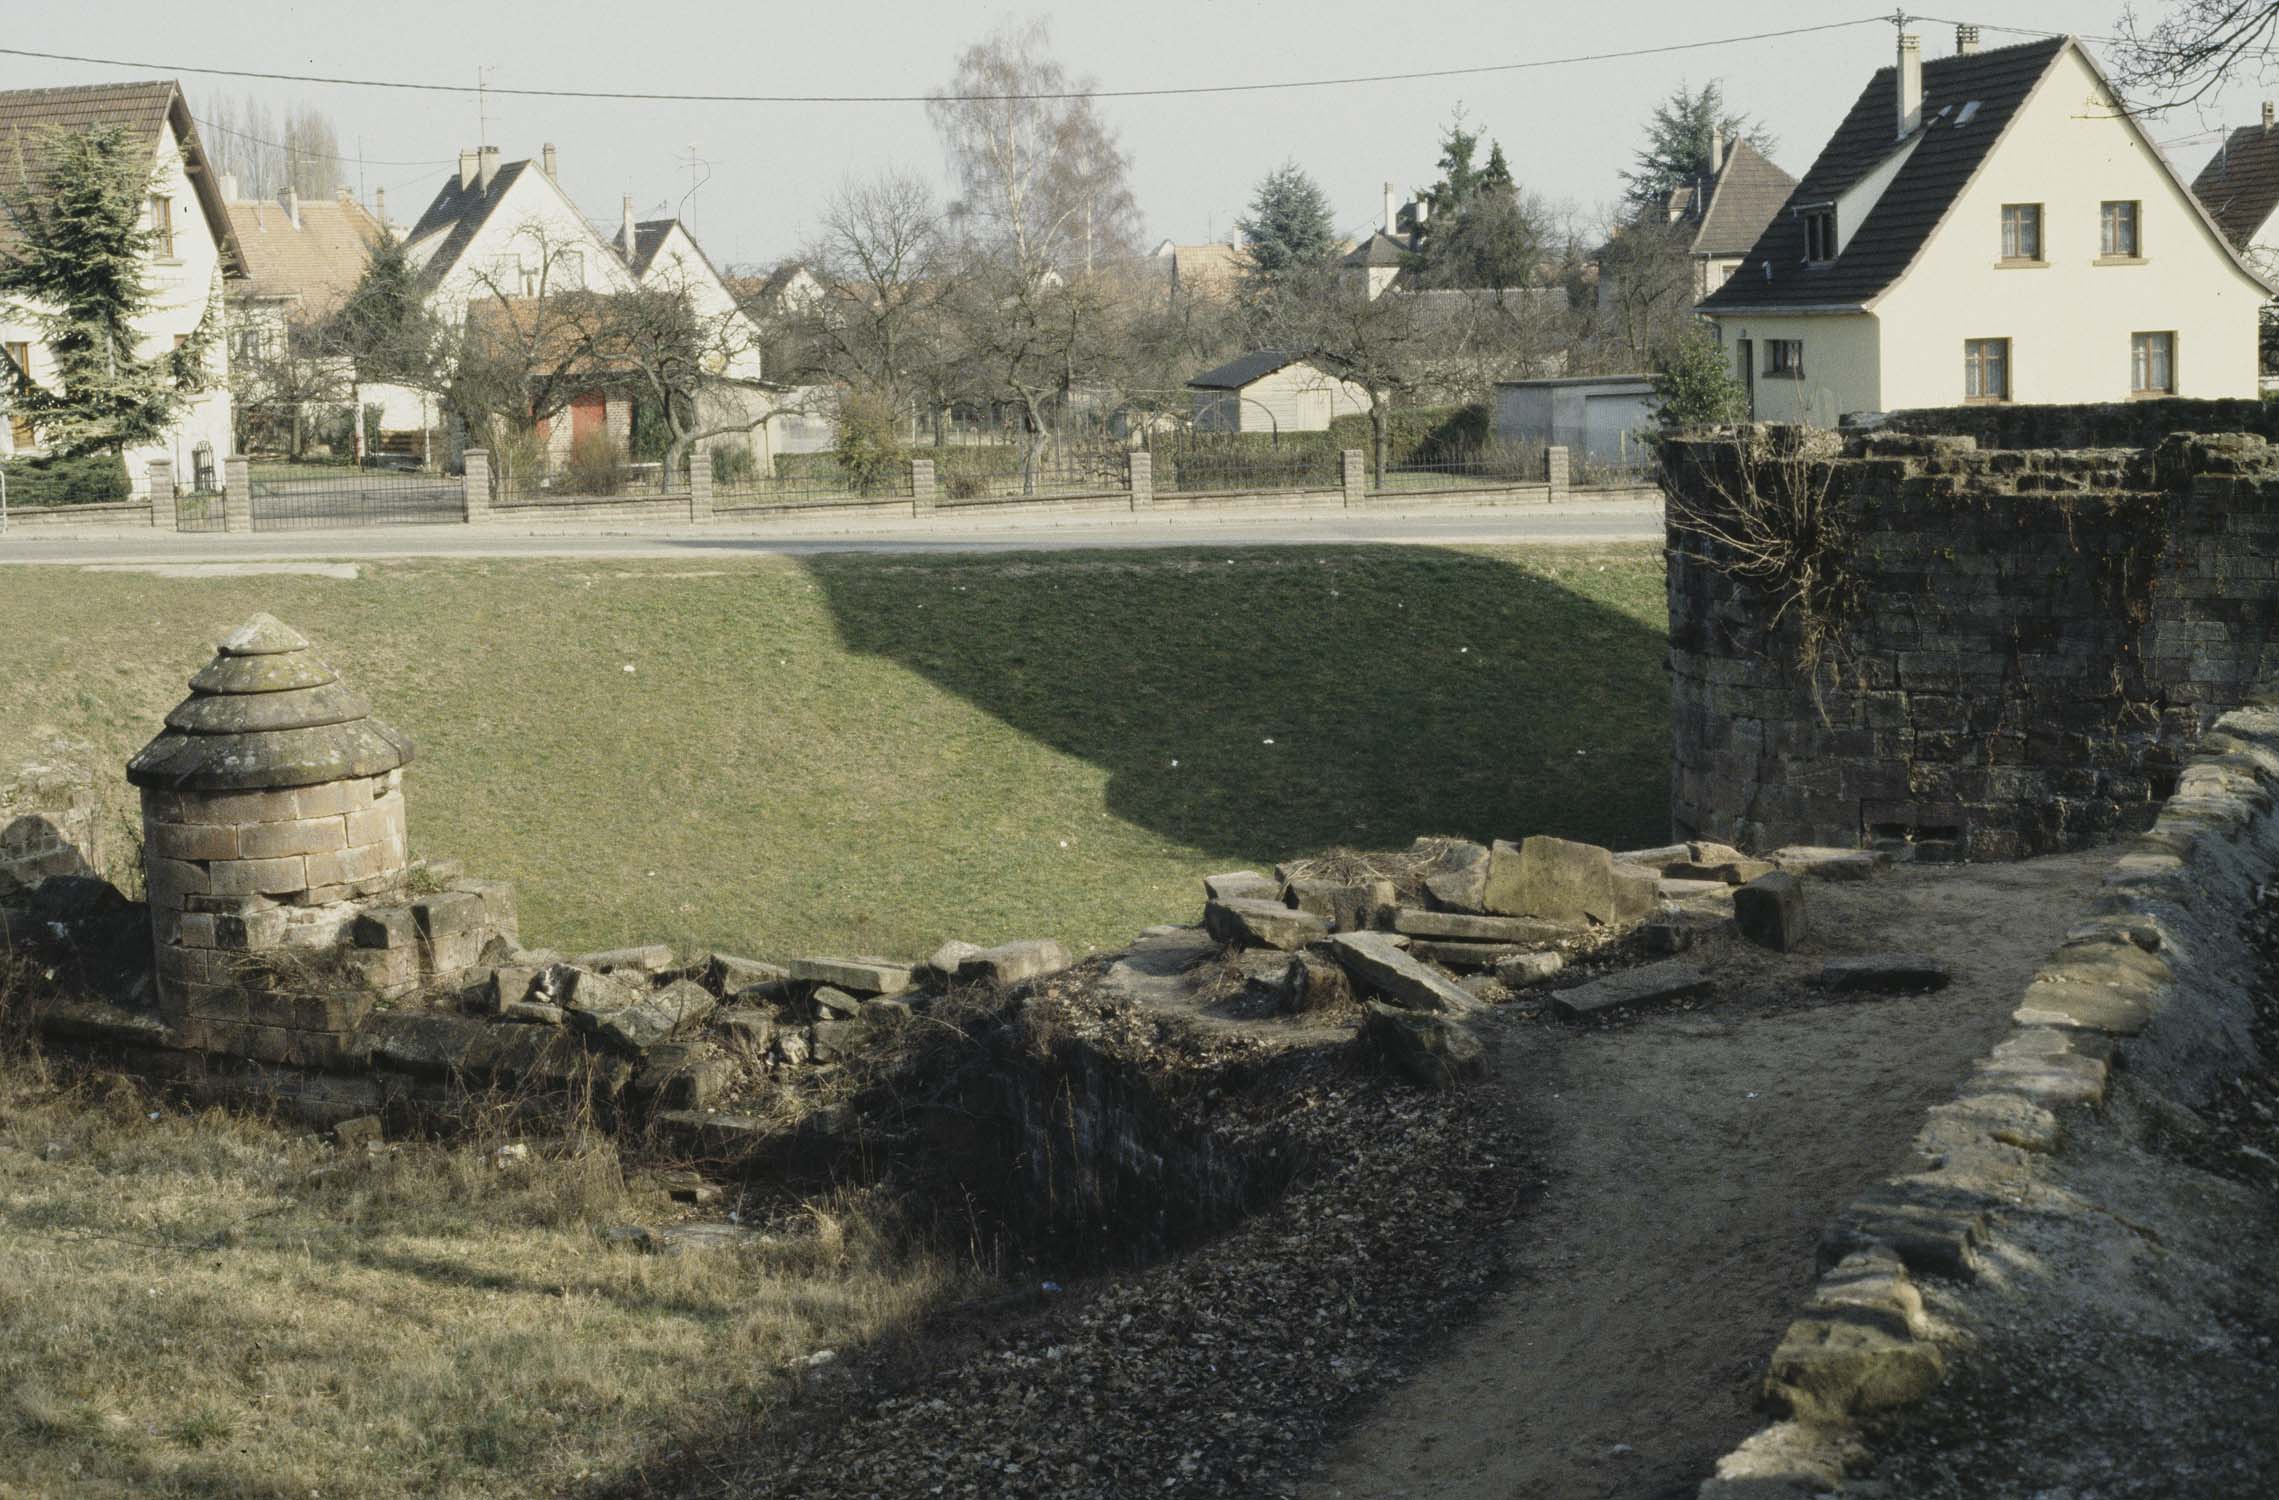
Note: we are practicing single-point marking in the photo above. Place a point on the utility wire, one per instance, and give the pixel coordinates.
(318, 155)
(1155, 93)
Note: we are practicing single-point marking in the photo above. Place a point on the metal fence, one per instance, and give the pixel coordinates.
(198, 510)
(301, 497)
(1497, 466)
(1203, 467)
(1037, 473)
(810, 479)
(582, 483)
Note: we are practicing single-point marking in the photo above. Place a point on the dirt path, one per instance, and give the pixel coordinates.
(1695, 1157)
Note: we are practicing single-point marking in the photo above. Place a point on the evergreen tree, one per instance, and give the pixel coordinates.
(1289, 225)
(1479, 230)
(383, 324)
(77, 204)
(1678, 140)
(1696, 385)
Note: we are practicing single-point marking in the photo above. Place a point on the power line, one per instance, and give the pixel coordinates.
(1154, 93)
(318, 155)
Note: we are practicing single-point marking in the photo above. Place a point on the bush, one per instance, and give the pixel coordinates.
(734, 465)
(869, 446)
(1417, 434)
(1697, 386)
(96, 479)
(595, 466)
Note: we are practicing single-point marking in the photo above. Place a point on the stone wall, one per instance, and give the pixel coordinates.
(51, 820)
(2029, 645)
(2124, 424)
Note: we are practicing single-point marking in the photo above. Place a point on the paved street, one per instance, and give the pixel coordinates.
(1576, 521)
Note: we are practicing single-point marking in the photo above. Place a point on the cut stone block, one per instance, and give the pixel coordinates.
(1012, 963)
(833, 1003)
(1656, 858)
(1885, 974)
(1454, 955)
(650, 958)
(1241, 885)
(861, 976)
(1524, 969)
(1637, 891)
(1467, 928)
(1556, 880)
(725, 974)
(1770, 911)
(1457, 876)
(1345, 906)
(1432, 1051)
(649, 1021)
(1262, 924)
(1672, 889)
(1379, 966)
(533, 1013)
(1825, 863)
(1672, 979)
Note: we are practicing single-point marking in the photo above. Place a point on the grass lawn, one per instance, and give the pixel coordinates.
(873, 754)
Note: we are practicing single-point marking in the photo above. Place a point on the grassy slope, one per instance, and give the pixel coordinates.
(877, 753)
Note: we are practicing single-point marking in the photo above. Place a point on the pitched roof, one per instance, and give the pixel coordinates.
(1241, 371)
(1380, 249)
(1208, 270)
(1948, 154)
(2239, 187)
(449, 224)
(1734, 206)
(648, 235)
(316, 263)
(142, 109)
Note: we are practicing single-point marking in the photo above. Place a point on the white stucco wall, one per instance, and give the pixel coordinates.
(1602, 419)
(1296, 398)
(180, 288)
(680, 266)
(2069, 321)
(1841, 366)
(529, 229)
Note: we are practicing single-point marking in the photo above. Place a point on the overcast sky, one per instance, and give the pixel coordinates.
(1568, 130)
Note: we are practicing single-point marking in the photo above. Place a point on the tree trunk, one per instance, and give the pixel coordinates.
(1380, 436)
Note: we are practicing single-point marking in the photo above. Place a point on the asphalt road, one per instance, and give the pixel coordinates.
(1571, 522)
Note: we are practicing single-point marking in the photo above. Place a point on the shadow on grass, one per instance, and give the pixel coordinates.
(1266, 702)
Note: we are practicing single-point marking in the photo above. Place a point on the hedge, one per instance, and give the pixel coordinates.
(1418, 434)
(988, 459)
(96, 479)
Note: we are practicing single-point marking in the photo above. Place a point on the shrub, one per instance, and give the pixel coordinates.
(1417, 434)
(734, 465)
(595, 466)
(1696, 385)
(518, 456)
(869, 445)
(93, 480)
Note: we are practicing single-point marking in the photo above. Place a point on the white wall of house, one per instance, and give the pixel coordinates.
(1295, 398)
(679, 266)
(1843, 366)
(181, 285)
(534, 240)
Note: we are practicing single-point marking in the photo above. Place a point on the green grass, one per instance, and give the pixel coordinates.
(874, 754)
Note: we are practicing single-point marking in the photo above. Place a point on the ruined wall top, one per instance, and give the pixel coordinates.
(266, 713)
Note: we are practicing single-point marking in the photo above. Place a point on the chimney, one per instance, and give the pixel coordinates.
(627, 232)
(1389, 224)
(293, 205)
(2266, 114)
(468, 160)
(380, 206)
(1910, 84)
(546, 154)
(229, 179)
(1966, 39)
(490, 167)
(1716, 149)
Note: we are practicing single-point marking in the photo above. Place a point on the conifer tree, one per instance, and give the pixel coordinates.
(1289, 225)
(76, 203)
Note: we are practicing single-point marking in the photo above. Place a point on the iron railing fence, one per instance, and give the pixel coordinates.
(1036, 473)
(1491, 466)
(567, 482)
(811, 479)
(1201, 466)
(198, 510)
(307, 497)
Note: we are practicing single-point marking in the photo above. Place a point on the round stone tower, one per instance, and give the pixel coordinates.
(270, 802)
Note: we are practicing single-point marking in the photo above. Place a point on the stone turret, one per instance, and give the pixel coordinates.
(271, 802)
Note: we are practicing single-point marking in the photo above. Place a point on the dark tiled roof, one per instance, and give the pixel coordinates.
(141, 108)
(1237, 373)
(1380, 249)
(457, 213)
(647, 236)
(2239, 187)
(1998, 80)
(1741, 200)
(316, 263)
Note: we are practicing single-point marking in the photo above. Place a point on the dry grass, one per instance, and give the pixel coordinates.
(210, 1305)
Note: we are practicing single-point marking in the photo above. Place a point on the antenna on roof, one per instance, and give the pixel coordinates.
(693, 162)
(483, 103)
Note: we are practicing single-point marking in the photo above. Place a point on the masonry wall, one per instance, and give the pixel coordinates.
(2032, 644)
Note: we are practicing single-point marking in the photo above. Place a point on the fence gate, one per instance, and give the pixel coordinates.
(308, 497)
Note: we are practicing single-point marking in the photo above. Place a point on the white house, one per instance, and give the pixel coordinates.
(1991, 226)
(1274, 390)
(194, 254)
(2240, 189)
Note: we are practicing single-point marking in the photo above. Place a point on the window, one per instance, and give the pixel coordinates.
(2117, 231)
(2152, 364)
(20, 355)
(1820, 235)
(1785, 358)
(2022, 231)
(162, 227)
(1986, 369)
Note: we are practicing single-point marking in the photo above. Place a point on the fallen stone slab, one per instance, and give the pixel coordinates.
(861, 976)
(1378, 966)
(642, 1025)
(650, 958)
(1431, 1051)
(1011, 963)
(1671, 888)
(1524, 969)
(1652, 984)
(1825, 863)
(1466, 956)
(1665, 854)
(1346, 906)
(1770, 911)
(1739, 871)
(942, 966)
(1885, 974)
(1241, 885)
(1467, 928)
(725, 974)
(1456, 872)
(832, 1002)
(534, 1013)
(1556, 880)
(1262, 924)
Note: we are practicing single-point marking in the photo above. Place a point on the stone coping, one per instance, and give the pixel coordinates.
(2149, 976)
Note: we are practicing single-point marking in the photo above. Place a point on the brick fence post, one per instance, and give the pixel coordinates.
(475, 486)
(1353, 475)
(162, 493)
(237, 494)
(1139, 474)
(921, 485)
(1557, 470)
(700, 481)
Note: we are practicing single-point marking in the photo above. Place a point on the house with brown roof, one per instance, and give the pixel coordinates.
(1992, 226)
(1203, 273)
(193, 256)
(1723, 212)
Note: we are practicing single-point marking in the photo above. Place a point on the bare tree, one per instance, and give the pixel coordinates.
(1643, 301)
(269, 153)
(880, 257)
(2192, 48)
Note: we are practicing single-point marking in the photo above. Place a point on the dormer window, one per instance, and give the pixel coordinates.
(1819, 236)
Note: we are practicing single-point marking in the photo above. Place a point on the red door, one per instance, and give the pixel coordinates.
(588, 413)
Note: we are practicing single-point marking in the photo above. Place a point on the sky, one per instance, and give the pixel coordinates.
(1568, 129)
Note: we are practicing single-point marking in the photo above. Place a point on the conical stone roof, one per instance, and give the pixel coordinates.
(267, 712)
